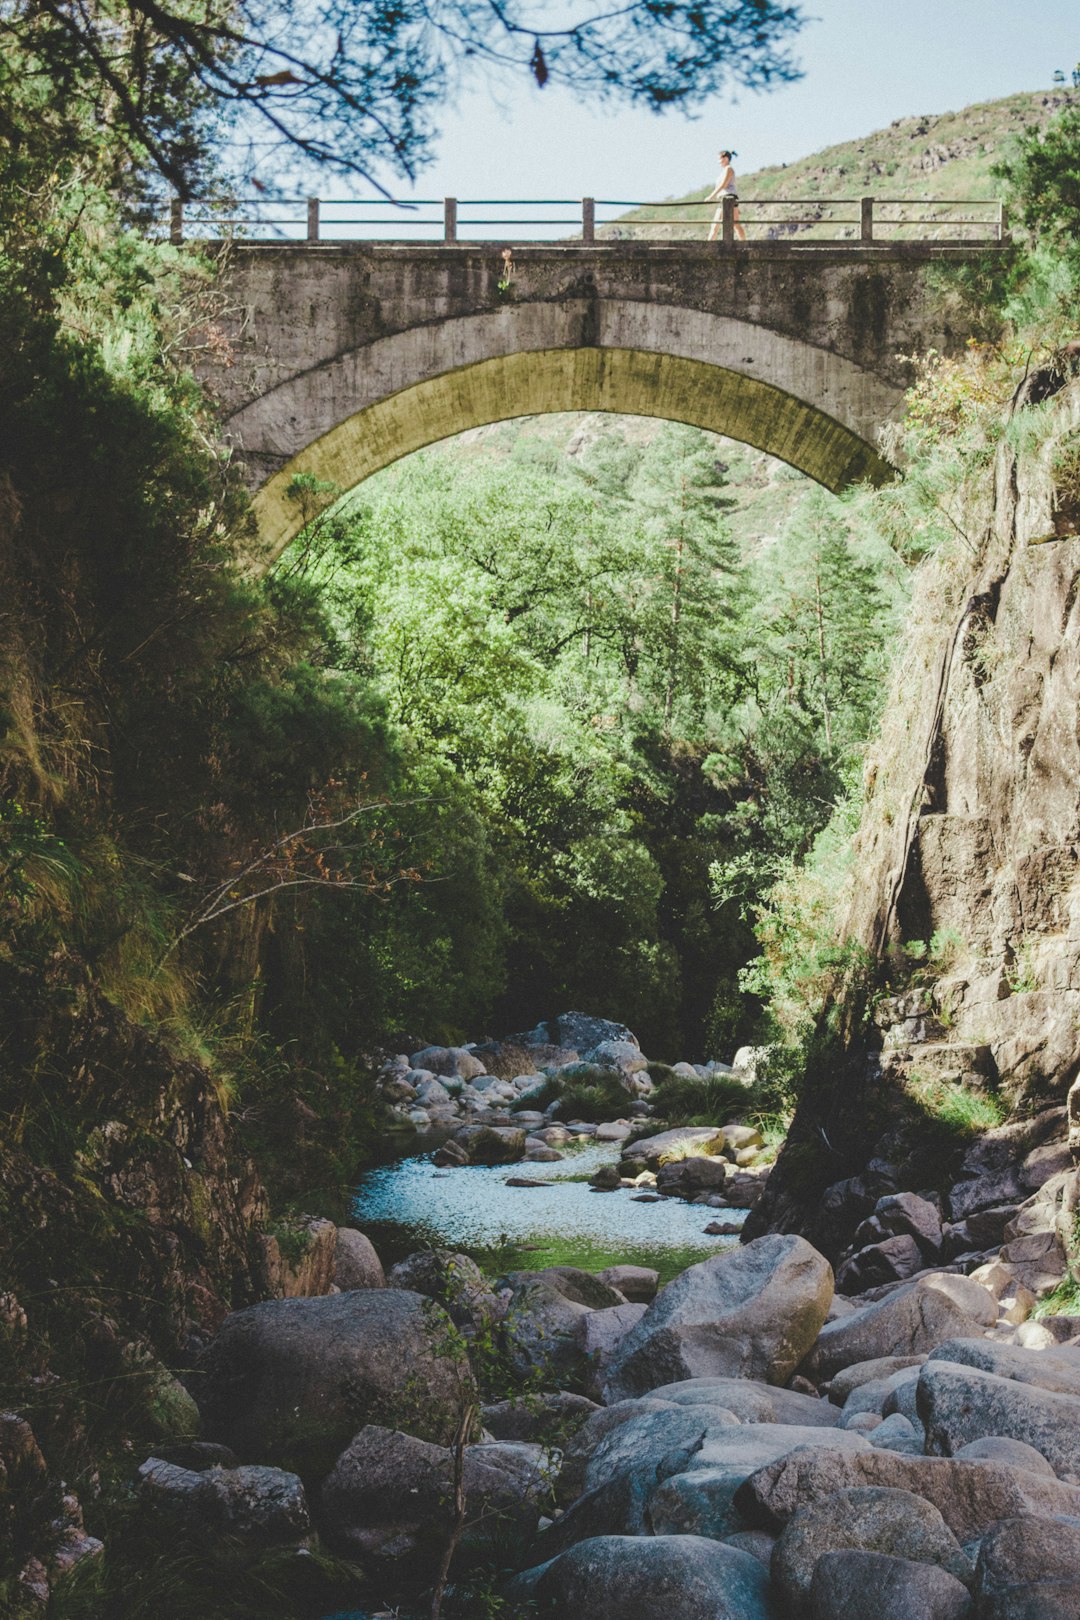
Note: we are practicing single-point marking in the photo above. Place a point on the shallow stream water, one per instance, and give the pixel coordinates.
(408, 1204)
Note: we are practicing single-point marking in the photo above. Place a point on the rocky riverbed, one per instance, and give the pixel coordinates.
(754, 1436)
(742, 1444)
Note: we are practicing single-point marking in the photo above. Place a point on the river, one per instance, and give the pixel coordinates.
(409, 1204)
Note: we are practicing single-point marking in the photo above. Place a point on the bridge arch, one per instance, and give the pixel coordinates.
(339, 421)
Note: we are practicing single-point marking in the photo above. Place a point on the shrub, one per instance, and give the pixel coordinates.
(682, 1101)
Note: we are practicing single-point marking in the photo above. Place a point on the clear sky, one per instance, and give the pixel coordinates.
(866, 62)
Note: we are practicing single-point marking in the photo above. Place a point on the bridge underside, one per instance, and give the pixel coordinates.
(627, 381)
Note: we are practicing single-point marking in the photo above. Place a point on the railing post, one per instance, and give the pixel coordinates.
(1002, 222)
(313, 219)
(866, 219)
(449, 219)
(727, 231)
(176, 221)
(588, 219)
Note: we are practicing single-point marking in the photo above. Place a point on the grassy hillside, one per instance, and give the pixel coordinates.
(945, 156)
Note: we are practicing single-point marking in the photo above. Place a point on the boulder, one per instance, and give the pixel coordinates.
(894, 1259)
(993, 1169)
(599, 1334)
(390, 1495)
(547, 1419)
(299, 1257)
(448, 1060)
(490, 1144)
(541, 1326)
(854, 1584)
(869, 1518)
(909, 1321)
(866, 1372)
(903, 1213)
(689, 1178)
(289, 1382)
(1055, 1369)
(618, 1506)
(356, 1265)
(579, 1449)
(613, 1577)
(636, 1283)
(614, 1131)
(995, 1448)
(583, 1032)
(959, 1404)
(664, 1439)
(1029, 1569)
(971, 1495)
(623, 1056)
(753, 1312)
(455, 1281)
(751, 1402)
(655, 1151)
(898, 1433)
(757, 1543)
(257, 1507)
(700, 1499)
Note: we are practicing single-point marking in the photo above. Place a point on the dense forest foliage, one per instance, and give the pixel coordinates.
(595, 698)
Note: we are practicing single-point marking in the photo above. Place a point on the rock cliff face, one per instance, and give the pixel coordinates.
(970, 839)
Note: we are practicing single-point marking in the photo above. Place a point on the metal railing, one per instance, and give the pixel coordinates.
(858, 220)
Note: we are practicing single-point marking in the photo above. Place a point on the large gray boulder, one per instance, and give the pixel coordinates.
(910, 1321)
(544, 1324)
(971, 1494)
(867, 1518)
(858, 1585)
(257, 1508)
(455, 1281)
(647, 1577)
(599, 1335)
(549, 1418)
(866, 1372)
(356, 1265)
(448, 1060)
(751, 1402)
(490, 1144)
(751, 1313)
(661, 1441)
(1057, 1369)
(391, 1495)
(582, 1031)
(636, 1283)
(689, 1178)
(624, 1057)
(700, 1500)
(960, 1404)
(668, 1146)
(1029, 1569)
(290, 1381)
(903, 1213)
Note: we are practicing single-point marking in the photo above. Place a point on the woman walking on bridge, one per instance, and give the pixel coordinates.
(725, 187)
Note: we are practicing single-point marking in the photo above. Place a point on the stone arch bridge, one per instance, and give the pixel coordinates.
(346, 356)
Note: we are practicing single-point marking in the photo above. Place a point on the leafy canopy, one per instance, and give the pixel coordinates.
(155, 84)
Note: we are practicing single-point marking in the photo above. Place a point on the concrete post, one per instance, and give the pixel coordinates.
(449, 219)
(588, 219)
(727, 231)
(313, 219)
(176, 221)
(866, 219)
